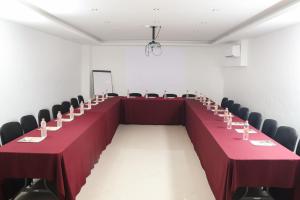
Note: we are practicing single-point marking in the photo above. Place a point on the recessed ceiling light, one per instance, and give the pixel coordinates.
(95, 10)
(215, 10)
(155, 9)
(203, 22)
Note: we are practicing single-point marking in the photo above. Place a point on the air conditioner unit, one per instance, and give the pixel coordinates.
(236, 54)
(233, 51)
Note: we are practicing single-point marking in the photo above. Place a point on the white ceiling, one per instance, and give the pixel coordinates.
(124, 20)
(285, 17)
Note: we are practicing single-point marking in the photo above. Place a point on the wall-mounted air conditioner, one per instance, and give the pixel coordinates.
(233, 51)
(236, 54)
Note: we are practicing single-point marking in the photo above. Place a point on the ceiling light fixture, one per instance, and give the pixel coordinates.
(154, 47)
(94, 9)
(215, 10)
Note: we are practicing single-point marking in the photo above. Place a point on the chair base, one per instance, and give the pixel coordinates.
(41, 186)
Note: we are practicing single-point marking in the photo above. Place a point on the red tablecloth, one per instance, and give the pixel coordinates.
(68, 155)
(153, 111)
(65, 156)
(230, 162)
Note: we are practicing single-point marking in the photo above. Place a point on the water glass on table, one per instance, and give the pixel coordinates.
(59, 119)
(229, 121)
(246, 131)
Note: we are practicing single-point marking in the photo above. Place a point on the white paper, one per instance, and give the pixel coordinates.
(221, 115)
(66, 119)
(87, 108)
(51, 128)
(76, 114)
(242, 130)
(32, 139)
(267, 143)
(237, 123)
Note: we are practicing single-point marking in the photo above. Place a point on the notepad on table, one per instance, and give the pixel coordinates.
(51, 128)
(241, 130)
(76, 114)
(32, 139)
(67, 119)
(237, 123)
(267, 143)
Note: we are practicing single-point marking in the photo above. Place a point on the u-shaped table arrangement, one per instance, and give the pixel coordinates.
(67, 156)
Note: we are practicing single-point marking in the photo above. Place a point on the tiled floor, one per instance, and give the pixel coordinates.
(146, 163)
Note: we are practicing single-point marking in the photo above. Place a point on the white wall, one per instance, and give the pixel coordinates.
(37, 70)
(271, 83)
(178, 69)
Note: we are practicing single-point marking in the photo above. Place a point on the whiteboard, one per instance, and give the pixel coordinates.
(102, 81)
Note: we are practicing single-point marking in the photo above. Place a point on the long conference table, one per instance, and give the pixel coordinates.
(67, 156)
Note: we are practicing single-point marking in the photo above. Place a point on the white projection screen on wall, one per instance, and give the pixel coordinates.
(102, 82)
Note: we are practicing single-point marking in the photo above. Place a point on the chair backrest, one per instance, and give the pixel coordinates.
(65, 107)
(188, 96)
(74, 103)
(112, 94)
(287, 137)
(243, 113)
(152, 95)
(10, 131)
(255, 120)
(235, 108)
(230, 104)
(298, 149)
(28, 123)
(80, 98)
(44, 114)
(269, 127)
(224, 102)
(135, 94)
(55, 110)
(169, 95)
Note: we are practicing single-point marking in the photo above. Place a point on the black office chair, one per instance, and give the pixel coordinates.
(283, 193)
(235, 109)
(44, 114)
(243, 193)
(287, 137)
(65, 107)
(55, 110)
(10, 131)
(152, 95)
(224, 102)
(243, 113)
(112, 94)
(298, 149)
(188, 96)
(255, 120)
(169, 95)
(74, 103)
(269, 127)
(12, 187)
(230, 104)
(80, 98)
(135, 94)
(28, 123)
